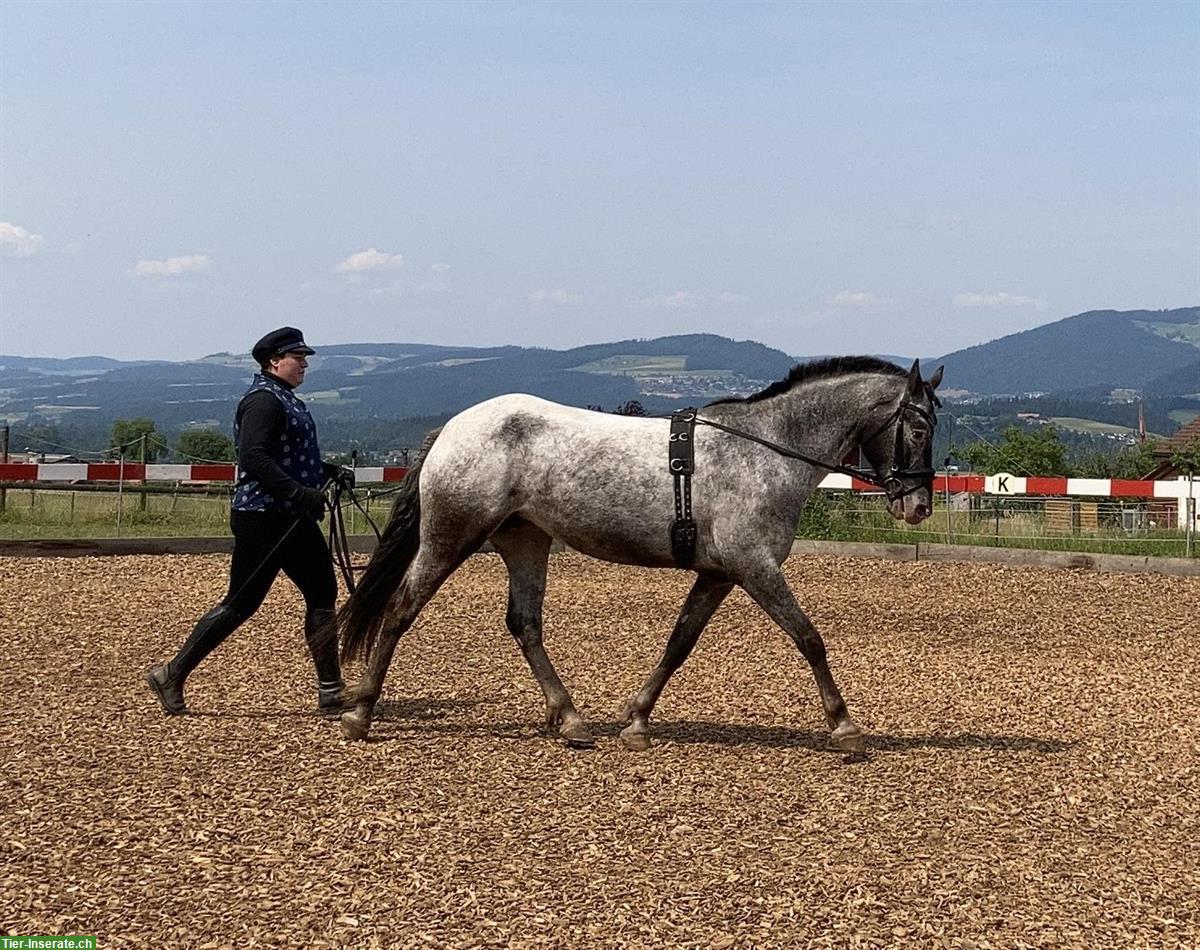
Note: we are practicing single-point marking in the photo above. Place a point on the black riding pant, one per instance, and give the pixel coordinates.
(267, 542)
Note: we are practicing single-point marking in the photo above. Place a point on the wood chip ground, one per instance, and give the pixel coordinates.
(1033, 779)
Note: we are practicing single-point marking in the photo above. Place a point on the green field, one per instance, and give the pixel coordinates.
(60, 513)
(1098, 428)
(831, 516)
(1179, 332)
(635, 365)
(1012, 523)
(463, 361)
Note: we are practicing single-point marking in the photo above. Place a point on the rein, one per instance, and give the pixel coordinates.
(339, 543)
(891, 483)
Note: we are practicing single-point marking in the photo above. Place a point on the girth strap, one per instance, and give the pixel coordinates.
(681, 460)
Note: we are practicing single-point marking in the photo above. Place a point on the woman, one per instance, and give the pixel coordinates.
(277, 504)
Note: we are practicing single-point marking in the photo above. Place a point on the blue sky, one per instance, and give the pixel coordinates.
(176, 179)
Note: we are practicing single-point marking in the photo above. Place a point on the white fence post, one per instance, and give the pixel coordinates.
(120, 486)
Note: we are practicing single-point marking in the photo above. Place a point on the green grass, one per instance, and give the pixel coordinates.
(61, 513)
(54, 513)
(852, 518)
(635, 365)
(1179, 332)
(67, 514)
(462, 361)
(1090, 425)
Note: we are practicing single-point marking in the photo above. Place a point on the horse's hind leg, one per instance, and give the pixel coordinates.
(702, 602)
(426, 574)
(770, 590)
(525, 549)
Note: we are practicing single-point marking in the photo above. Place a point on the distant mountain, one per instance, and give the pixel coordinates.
(392, 380)
(1110, 348)
(1080, 359)
(1184, 381)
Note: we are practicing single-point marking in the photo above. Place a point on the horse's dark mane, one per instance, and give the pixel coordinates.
(818, 369)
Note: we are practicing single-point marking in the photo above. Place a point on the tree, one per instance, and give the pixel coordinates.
(1131, 463)
(39, 436)
(1021, 452)
(631, 408)
(127, 434)
(1135, 462)
(1187, 459)
(209, 445)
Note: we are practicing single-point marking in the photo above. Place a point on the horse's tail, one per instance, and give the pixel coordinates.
(361, 617)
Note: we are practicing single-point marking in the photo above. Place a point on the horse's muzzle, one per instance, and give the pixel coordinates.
(909, 509)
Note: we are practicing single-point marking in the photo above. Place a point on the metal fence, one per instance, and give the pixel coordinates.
(1105, 525)
(139, 511)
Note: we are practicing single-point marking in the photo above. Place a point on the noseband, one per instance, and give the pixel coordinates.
(892, 483)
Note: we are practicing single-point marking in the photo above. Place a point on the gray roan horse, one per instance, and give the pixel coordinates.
(520, 471)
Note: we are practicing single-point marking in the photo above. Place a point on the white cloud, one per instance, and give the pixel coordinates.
(998, 299)
(557, 297)
(369, 260)
(731, 299)
(680, 300)
(854, 298)
(15, 239)
(172, 266)
(440, 268)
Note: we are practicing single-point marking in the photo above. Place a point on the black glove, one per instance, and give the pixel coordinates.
(338, 474)
(311, 501)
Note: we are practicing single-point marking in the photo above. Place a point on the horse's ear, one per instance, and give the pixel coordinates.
(936, 378)
(914, 377)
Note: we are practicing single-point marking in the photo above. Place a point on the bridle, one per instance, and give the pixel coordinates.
(892, 483)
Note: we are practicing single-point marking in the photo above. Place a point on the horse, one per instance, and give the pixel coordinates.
(521, 471)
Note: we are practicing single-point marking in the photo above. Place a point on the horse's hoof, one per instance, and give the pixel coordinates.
(354, 728)
(576, 736)
(635, 741)
(848, 737)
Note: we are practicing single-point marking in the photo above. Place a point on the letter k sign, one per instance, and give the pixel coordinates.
(1002, 483)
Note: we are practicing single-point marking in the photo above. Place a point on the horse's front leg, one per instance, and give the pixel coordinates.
(702, 602)
(770, 590)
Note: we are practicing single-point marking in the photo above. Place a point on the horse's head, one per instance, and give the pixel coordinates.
(900, 446)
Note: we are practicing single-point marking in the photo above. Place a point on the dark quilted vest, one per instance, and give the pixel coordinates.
(297, 453)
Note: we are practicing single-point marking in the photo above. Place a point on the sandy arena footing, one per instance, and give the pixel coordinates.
(1032, 779)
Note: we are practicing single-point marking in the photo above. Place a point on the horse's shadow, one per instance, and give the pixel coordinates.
(417, 709)
(431, 714)
(414, 715)
(782, 737)
(424, 708)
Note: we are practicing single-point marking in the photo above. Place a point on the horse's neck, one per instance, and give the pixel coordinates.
(822, 418)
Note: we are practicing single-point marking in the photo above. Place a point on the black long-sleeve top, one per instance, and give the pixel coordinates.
(261, 423)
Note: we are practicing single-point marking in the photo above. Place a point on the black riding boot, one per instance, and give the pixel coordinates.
(166, 679)
(321, 636)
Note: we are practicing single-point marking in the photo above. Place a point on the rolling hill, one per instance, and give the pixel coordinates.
(393, 380)
(1101, 348)
(1079, 360)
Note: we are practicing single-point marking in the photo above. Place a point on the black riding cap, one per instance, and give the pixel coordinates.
(283, 340)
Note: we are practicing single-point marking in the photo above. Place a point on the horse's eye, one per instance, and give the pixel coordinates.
(920, 436)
